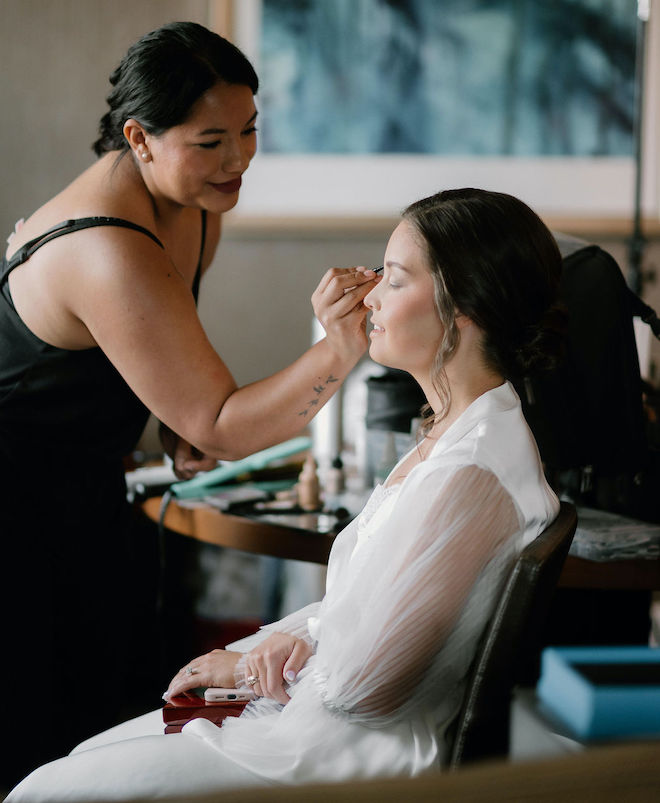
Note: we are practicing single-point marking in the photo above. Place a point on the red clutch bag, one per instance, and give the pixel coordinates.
(179, 710)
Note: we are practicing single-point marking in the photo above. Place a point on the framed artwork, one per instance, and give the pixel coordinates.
(366, 105)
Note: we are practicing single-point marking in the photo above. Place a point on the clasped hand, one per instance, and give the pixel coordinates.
(187, 461)
(274, 663)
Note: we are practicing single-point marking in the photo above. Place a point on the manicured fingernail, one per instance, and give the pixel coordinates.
(166, 696)
(290, 675)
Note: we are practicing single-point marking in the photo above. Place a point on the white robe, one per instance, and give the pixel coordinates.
(411, 584)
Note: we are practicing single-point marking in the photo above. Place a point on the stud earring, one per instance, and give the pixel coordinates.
(144, 154)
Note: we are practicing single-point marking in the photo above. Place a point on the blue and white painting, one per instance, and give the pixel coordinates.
(449, 77)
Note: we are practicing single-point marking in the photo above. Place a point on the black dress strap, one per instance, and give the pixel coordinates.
(198, 272)
(67, 227)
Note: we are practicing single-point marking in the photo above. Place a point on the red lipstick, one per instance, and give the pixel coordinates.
(228, 186)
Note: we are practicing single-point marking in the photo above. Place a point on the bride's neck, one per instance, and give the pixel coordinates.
(462, 392)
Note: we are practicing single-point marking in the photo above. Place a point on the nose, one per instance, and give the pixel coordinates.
(236, 157)
(371, 299)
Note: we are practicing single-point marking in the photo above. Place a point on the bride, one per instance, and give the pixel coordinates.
(365, 682)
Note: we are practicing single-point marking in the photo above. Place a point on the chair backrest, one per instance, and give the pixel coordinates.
(510, 643)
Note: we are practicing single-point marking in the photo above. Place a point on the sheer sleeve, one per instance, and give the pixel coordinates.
(405, 590)
(295, 624)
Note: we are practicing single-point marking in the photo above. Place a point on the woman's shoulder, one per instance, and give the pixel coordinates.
(91, 194)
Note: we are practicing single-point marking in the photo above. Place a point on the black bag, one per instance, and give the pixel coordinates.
(588, 414)
(588, 417)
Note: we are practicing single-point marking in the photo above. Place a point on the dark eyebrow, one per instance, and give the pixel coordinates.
(391, 264)
(224, 130)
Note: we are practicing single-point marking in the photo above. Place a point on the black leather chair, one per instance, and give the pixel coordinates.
(510, 645)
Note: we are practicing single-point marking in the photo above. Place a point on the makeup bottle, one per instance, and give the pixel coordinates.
(334, 479)
(308, 486)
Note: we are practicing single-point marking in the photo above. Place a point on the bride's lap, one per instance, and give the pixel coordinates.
(150, 724)
(148, 766)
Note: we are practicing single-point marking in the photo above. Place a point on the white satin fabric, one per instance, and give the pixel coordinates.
(411, 583)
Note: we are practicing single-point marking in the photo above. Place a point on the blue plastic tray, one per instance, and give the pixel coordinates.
(602, 692)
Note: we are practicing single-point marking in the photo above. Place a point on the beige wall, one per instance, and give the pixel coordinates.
(56, 56)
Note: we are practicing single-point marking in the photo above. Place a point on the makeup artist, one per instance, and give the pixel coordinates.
(99, 326)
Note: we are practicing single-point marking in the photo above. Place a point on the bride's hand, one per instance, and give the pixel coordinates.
(274, 663)
(215, 669)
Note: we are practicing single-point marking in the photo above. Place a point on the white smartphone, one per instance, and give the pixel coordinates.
(215, 695)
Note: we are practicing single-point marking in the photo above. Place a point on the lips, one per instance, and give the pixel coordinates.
(229, 186)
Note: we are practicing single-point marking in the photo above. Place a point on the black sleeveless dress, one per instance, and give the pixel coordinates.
(67, 418)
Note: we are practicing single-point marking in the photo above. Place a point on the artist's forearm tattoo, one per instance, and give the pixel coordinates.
(318, 390)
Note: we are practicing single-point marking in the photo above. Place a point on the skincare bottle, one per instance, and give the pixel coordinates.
(308, 485)
(334, 479)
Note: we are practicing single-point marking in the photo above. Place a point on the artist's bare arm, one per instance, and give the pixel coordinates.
(187, 460)
(145, 321)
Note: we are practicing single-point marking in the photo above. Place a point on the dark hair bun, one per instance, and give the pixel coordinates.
(163, 74)
(544, 346)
